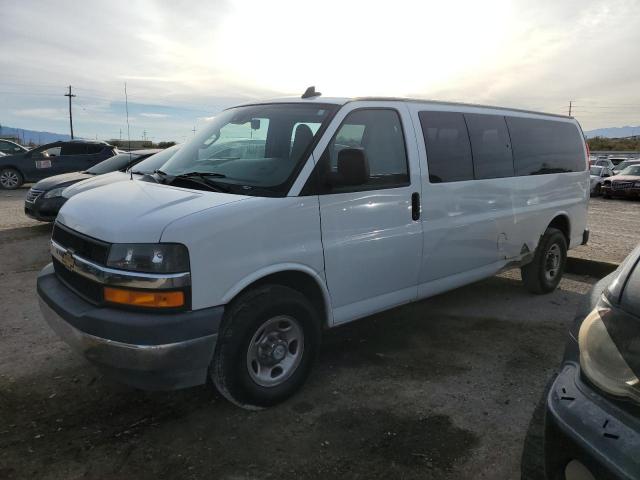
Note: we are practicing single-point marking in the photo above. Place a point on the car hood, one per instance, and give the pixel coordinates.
(136, 211)
(626, 178)
(93, 182)
(61, 180)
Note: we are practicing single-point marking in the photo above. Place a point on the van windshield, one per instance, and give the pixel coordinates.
(252, 150)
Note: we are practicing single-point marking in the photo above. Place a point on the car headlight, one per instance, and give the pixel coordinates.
(149, 257)
(601, 360)
(56, 192)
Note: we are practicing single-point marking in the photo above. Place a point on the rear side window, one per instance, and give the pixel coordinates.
(94, 149)
(74, 149)
(448, 147)
(545, 146)
(490, 146)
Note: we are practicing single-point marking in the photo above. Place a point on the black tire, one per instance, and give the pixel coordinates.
(245, 317)
(6, 176)
(532, 464)
(535, 274)
(597, 191)
(606, 195)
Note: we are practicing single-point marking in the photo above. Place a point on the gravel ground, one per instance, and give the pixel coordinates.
(443, 388)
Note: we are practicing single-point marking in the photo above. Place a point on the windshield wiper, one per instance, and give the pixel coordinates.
(204, 180)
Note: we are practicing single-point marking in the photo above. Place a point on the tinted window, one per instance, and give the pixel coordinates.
(154, 162)
(117, 162)
(490, 146)
(546, 146)
(378, 132)
(94, 148)
(74, 149)
(448, 148)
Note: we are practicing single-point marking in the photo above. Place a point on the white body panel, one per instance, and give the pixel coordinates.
(362, 249)
(94, 182)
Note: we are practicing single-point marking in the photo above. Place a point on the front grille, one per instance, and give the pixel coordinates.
(86, 247)
(33, 194)
(622, 185)
(84, 287)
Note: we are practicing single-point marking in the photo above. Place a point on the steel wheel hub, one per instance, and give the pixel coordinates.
(552, 262)
(275, 351)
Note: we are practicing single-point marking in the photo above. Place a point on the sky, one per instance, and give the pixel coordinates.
(184, 61)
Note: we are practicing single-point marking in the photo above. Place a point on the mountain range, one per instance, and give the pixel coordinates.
(32, 136)
(40, 138)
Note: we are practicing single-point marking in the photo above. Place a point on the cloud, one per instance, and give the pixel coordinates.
(154, 115)
(185, 61)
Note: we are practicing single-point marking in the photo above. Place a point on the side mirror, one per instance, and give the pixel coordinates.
(353, 168)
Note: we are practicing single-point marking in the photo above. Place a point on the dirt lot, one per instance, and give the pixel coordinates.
(440, 389)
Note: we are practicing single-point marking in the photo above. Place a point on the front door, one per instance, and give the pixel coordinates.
(371, 236)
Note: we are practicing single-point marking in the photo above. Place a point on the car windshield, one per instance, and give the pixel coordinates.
(255, 148)
(117, 162)
(631, 170)
(595, 171)
(154, 162)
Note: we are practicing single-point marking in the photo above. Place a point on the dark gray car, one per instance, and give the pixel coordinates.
(587, 424)
(39, 163)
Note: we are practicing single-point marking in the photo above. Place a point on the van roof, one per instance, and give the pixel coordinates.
(345, 100)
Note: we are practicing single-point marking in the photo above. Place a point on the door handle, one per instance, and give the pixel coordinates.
(415, 206)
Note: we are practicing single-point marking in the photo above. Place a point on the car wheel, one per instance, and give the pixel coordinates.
(10, 178)
(597, 190)
(266, 347)
(543, 274)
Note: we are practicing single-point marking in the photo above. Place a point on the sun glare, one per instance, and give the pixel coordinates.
(368, 48)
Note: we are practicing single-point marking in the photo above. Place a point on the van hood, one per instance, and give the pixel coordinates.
(95, 181)
(136, 211)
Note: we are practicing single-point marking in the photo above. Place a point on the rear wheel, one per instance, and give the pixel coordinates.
(266, 347)
(544, 273)
(10, 178)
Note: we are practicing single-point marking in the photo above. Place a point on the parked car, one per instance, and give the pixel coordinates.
(597, 176)
(624, 184)
(617, 160)
(44, 199)
(587, 424)
(11, 148)
(144, 168)
(622, 165)
(603, 162)
(36, 164)
(232, 267)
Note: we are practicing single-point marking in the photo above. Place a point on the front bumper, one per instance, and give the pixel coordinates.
(584, 426)
(148, 350)
(620, 192)
(44, 209)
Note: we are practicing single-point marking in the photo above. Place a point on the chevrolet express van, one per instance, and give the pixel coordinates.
(229, 266)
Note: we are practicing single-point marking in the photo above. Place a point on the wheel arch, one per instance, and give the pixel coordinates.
(296, 276)
(562, 222)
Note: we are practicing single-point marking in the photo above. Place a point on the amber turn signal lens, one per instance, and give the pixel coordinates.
(140, 298)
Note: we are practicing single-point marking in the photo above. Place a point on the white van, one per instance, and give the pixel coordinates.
(230, 262)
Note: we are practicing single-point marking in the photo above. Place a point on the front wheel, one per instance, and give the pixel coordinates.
(544, 273)
(266, 347)
(597, 191)
(10, 178)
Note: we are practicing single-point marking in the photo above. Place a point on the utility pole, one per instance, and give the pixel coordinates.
(194, 131)
(570, 106)
(121, 134)
(70, 95)
(144, 135)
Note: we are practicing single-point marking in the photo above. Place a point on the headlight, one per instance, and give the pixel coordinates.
(149, 257)
(600, 359)
(56, 192)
